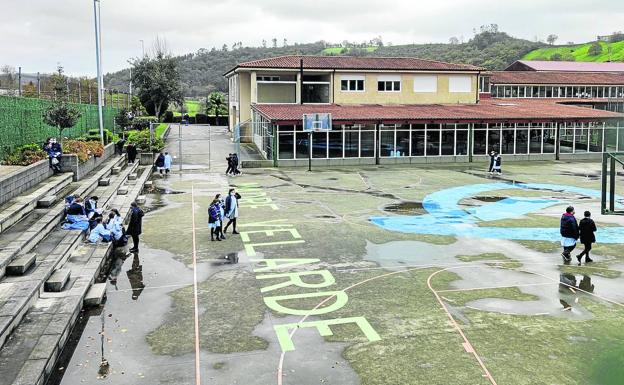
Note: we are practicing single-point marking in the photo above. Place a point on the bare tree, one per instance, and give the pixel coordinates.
(552, 38)
(10, 78)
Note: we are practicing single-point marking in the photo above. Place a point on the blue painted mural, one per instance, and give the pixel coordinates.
(445, 217)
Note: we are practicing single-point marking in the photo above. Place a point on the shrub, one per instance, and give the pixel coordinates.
(94, 135)
(142, 123)
(595, 49)
(168, 117)
(84, 150)
(141, 140)
(201, 118)
(25, 155)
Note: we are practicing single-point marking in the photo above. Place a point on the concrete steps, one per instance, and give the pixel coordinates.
(14, 210)
(55, 246)
(57, 280)
(20, 265)
(29, 355)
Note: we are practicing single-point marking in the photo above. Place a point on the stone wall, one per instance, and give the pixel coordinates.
(15, 183)
(70, 162)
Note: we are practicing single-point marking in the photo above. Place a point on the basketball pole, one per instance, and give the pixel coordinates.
(309, 150)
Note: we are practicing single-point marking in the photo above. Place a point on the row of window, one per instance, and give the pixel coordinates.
(522, 91)
(393, 83)
(359, 141)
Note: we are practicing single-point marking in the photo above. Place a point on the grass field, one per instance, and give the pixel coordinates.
(338, 50)
(193, 107)
(580, 52)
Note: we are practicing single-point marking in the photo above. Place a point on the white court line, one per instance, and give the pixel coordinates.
(195, 300)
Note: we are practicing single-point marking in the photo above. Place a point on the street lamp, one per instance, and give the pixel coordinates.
(98, 59)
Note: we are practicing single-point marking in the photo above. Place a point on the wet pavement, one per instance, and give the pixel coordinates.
(518, 305)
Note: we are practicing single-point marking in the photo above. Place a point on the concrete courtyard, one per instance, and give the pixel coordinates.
(374, 275)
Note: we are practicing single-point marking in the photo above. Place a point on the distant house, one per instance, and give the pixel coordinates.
(407, 110)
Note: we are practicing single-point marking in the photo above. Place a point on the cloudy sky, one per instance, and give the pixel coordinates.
(38, 34)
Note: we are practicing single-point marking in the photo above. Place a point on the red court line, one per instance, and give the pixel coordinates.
(195, 300)
(467, 345)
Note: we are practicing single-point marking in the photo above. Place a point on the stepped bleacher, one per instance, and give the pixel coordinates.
(47, 274)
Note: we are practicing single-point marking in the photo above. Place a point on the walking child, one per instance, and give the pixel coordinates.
(586, 227)
(231, 210)
(497, 167)
(214, 219)
(569, 233)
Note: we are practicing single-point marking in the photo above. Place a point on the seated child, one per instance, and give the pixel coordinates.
(99, 232)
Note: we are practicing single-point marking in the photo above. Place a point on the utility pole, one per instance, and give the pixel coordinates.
(142, 47)
(79, 90)
(38, 85)
(98, 58)
(19, 81)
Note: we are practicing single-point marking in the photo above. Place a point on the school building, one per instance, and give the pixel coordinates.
(408, 110)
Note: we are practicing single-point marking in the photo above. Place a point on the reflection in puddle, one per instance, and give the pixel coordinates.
(405, 208)
(165, 190)
(135, 276)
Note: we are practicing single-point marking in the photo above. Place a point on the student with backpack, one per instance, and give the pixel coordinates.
(569, 233)
(587, 228)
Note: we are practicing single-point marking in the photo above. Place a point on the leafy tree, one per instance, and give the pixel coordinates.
(274, 40)
(157, 80)
(61, 114)
(551, 39)
(453, 40)
(216, 105)
(136, 107)
(595, 49)
(124, 118)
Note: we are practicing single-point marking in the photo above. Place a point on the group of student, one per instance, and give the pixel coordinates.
(219, 210)
(232, 168)
(84, 214)
(571, 231)
(54, 151)
(163, 163)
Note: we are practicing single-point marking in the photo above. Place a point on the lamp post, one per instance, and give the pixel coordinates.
(98, 59)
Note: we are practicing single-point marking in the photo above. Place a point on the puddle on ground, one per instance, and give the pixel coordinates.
(489, 199)
(581, 175)
(539, 275)
(405, 208)
(164, 190)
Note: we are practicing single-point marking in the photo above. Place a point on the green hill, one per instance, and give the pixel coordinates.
(202, 71)
(580, 52)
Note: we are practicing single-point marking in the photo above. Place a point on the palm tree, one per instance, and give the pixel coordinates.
(215, 105)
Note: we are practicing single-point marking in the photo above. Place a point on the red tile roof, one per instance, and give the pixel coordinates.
(564, 78)
(356, 63)
(487, 110)
(573, 66)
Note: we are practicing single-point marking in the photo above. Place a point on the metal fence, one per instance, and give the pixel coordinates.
(21, 122)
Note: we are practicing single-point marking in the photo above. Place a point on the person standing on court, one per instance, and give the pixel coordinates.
(135, 225)
(231, 210)
(587, 228)
(498, 164)
(492, 157)
(569, 233)
(131, 150)
(214, 220)
(168, 162)
(160, 163)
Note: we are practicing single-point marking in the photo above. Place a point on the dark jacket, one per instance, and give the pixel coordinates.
(160, 161)
(586, 229)
(214, 214)
(132, 151)
(498, 160)
(228, 202)
(76, 209)
(569, 227)
(136, 220)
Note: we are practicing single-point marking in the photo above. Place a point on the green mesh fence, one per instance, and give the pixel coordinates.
(21, 122)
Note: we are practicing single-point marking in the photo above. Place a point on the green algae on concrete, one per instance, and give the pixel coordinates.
(465, 296)
(231, 307)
